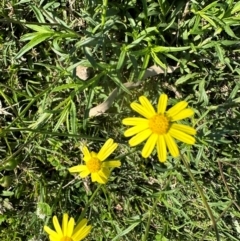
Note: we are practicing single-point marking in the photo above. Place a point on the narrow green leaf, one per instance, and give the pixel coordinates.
(121, 59)
(185, 78)
(209, 6)
(62, 117)
(39, 28)
(236, 8)
(66, 86)
(169, 49)
(126, 231)
(209, 20)
(144, 66)
(229, 31)
(38, 14)
(220, 53)
(134, 43)
(158, 61)
(35, 41)
(118, 82)
(73, 118)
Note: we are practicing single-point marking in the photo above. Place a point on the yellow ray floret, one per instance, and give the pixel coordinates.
(158, 128)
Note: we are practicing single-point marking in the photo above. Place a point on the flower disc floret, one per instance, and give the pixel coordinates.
(66, 239)
(159, 128)
(159, 124)
(94, 165)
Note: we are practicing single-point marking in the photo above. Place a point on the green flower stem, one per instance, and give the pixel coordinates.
(152, 210)
(104, 12)
(209, 211)
(88, 204)
(149, 219)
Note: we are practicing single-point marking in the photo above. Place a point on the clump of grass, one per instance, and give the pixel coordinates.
(60, 59)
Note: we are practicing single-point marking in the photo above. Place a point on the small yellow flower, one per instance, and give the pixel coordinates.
(95, 164)
(67, 232)
(159, 128)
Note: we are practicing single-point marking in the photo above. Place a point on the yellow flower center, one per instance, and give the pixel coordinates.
(66, 239)
(159, 124)
(94, 165)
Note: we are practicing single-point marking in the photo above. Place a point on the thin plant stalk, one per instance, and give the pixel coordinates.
(88, 203)
(209, 211)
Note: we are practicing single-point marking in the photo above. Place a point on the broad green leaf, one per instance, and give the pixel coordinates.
(35, 41)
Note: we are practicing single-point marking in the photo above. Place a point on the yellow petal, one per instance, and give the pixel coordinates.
(113, 163)
(80, 225)
(104, 173)
(70, 227)
(84, 173)
(161, 149)
(136, 129)
(53, 238)
(107, 149)
(81, 234)
(81, 230)
(134, 121)
(86, 153)
(141, 110)
(181, 136)
(78, 168)
(57, 226)
(147, 105)
(140, 137)
(176, 109)
(182, 114)
(184, 128)
(94, 177)
(65, 224)
(162, 103)
(149, 146)
(51, 232)
(172, 146)
(97, 178)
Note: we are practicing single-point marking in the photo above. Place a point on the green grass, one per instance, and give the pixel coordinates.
(44, 117)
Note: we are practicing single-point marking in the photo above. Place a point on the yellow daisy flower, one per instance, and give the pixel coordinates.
(95, 164)
(67, 232)
(159, 128)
